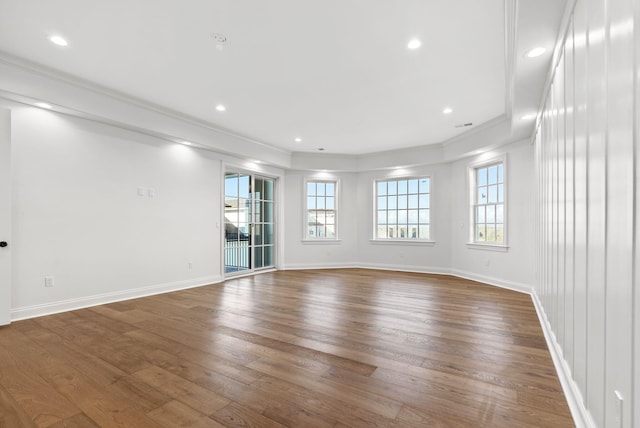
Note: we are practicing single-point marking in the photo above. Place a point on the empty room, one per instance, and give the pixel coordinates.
(365, 213)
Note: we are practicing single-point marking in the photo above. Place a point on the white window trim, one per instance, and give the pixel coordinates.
(315, 240)
(471, 187)
(391, 241)
(321, 241)
(400, 241)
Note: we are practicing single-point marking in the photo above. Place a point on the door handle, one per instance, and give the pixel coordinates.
(3, 244)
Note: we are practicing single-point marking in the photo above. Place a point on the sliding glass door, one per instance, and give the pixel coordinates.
(249, 220)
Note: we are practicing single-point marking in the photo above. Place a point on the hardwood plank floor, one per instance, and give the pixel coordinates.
(329, 348)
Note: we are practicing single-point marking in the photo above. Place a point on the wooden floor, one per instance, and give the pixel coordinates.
(330, 348)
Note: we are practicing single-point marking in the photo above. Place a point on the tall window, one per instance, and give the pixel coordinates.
(321, 200)
(403, 209)
(488, 203)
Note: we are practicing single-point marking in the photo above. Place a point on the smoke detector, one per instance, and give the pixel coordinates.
(220, 40)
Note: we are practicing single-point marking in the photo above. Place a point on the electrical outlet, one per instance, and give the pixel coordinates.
(48, 281)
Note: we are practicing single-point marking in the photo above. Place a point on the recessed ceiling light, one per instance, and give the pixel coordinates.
(528, 117)
(414, 44)
(220, 107)
(44, 105)
(532, 53)
(298, 140)
(58, 40)
(186, 143)
(447, 110)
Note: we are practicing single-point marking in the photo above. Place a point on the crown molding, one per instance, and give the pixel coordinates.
(510, 46)
(95, 88)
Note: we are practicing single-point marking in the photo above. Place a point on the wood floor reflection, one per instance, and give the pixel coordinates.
(324, 348)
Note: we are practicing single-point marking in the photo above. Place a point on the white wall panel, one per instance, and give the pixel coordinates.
(553, 195)
(581, 186)
(548, 145)
(561, 181)
(597, 176)
(587, 170)
(620, 182)
(634, 403)
(569, 183)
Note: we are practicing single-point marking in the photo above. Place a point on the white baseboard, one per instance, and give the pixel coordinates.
(313, 266)
(101, 299)
(406, 268)
(353, 265)
(510, 285)
(581, 415)
(490, 280)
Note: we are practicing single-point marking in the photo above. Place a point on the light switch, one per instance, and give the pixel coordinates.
(152, 192)
(141, 191)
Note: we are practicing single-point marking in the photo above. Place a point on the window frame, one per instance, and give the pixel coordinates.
(407, 240)
(305, 198)
(472, 202)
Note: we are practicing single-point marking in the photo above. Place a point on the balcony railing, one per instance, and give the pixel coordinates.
(237, 253)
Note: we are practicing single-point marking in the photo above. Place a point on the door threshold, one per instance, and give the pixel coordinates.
(255, 272)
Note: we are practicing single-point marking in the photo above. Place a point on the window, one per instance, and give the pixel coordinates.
(403, 209)
(321, 209)
(488, 199)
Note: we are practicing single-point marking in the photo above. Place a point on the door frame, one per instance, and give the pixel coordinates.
(6, 282)
(232, 168)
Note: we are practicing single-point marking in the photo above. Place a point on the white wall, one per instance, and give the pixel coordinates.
(78, 216)
(587, 157)
(513, 268)
(449, 253)
(422, 258)
(307, 254)
(355, 247)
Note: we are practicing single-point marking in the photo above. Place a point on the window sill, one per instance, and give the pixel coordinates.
(488, 247)
(403, 242)
(321, 241)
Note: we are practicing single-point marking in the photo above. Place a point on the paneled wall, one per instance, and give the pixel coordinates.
(586, 161)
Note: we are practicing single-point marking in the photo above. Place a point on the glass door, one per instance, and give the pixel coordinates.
(263, 223)
(249, 223)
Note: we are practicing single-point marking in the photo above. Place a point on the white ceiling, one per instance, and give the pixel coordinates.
(335, 73)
